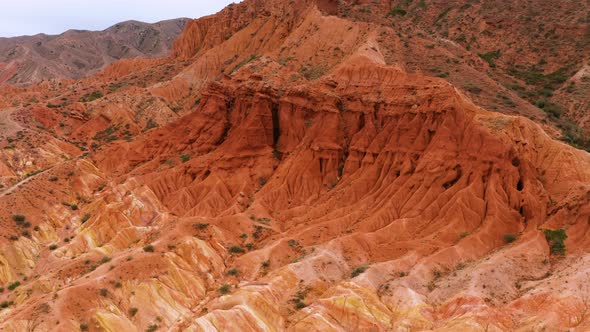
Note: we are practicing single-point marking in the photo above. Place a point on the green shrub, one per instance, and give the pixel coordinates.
(103, 292)
(299, 305)
(443, 14)
(516, 87)
(18, 218)
(358, 270)
(236, 250)
(53, 247)
(92, 97)
(535, 76)
(244, 62)
(201, 226)
(132, 311)
(83, 327)
(283, 61)
(509, 238)
(574, 135)
(397, 11)
(85, 218)
(541, 103)
(436, 274)
(553, 110)
(150, 124)
(13, 285)
(185, 158)
(556, 239)
(490, 57)
(148, 248)
(233, 272)
(224, 289)
(463, 235)
(313, 72)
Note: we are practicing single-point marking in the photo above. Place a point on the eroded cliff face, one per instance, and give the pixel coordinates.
(285, 190)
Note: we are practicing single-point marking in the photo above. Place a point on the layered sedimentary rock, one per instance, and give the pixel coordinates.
(247, 183)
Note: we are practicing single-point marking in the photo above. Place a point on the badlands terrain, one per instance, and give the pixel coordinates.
(307, 165)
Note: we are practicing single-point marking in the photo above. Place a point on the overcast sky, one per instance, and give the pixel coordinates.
(29, 17)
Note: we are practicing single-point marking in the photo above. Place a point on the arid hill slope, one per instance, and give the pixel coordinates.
(75, 53)
(291, 168)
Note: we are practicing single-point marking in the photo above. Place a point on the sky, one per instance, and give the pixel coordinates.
(29, 17)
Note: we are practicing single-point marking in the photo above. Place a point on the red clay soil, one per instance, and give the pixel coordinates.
(291, 168)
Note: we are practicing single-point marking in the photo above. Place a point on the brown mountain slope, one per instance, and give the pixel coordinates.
(477, 47)
(288, 170)
(75, 54)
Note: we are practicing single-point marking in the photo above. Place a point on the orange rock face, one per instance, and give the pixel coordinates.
(287, 169)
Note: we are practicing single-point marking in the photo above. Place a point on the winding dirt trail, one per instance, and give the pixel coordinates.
(10, 127)
(7, 125)
(22, 182)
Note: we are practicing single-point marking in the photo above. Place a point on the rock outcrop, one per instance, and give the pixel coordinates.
(287, 169)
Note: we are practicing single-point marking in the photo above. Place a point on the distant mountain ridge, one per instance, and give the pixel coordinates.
(77, 53)
(309, 165)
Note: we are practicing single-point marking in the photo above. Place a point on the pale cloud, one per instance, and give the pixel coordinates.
(28, 17)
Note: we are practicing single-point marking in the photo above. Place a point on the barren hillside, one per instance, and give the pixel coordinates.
(308, 165)
(76, 53)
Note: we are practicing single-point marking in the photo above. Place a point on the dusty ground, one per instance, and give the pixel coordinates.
(293, 167)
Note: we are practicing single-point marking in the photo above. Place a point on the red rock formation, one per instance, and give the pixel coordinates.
(250, 183)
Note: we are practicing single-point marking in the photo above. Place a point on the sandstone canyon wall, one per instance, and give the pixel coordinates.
(297, 166)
